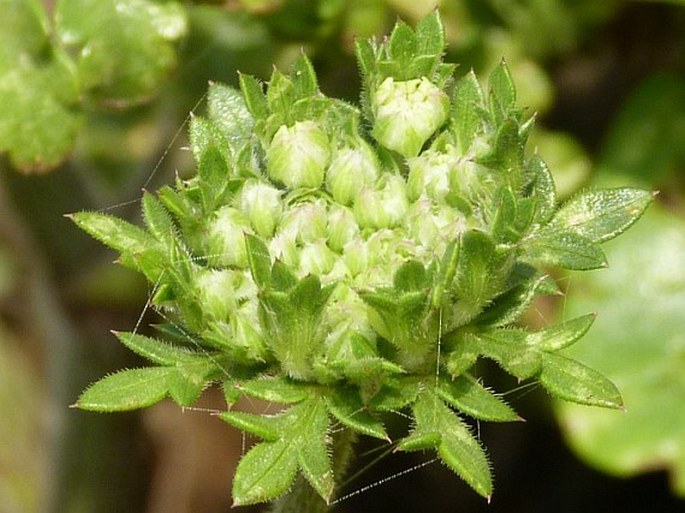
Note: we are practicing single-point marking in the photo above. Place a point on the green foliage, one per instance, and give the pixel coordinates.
(349, 303)
(107, 52)
(639, 346)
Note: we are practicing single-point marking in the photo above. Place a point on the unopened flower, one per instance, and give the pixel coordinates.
(429, 173)
(342, 227)
(350, 170)
(406, 113)
(306, 221)
(298, 155)
(317, 258)
(225, 243)
(261, 204)
(382, 208)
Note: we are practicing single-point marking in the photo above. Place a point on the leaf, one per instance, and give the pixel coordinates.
(123, 48)
(512, 217)
(38, 90)
(410, 276)
(157, 218)
(156, 351)
(565, 249)
(277, 390)
(268, 470)
(502, 92)
(205, 134)
(395, 394)
(402, 46)
(430, 35)
(573, 381)
(213, 172)
(509, 349)
(544, 189)
(259, 259)
(637, 341)
(346, 406)
(603, 214)
(112, 231)
(126, 390)
(185, 387)
(445, 274)
(456, 446)
(562, 335)
(480, 273)
(466, 104)
(260, 425)
(508, 307)
(306, 84)
(470, 397)
(253, 96)
(227, 108)
(264, 473)
(312, 453)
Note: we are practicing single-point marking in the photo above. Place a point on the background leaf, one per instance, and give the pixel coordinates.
(638, 341)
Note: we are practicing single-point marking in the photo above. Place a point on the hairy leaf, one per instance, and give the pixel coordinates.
(573, 381)
(601, 215)
(127, 390)
(472, 398)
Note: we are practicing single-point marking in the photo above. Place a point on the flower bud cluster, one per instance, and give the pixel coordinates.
(338, 213)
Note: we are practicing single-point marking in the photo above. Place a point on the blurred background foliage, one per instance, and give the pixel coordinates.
(94, 100)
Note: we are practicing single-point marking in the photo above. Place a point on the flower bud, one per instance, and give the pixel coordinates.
(407, 113)
(342, 227)
(225, 244)
(350, 170)
(470, 182)
(432, 226)
(382, 208)
(387, 250)
(246, 330)
(216, 293)
(306, 221)
(283, 247)
(356, 256)
(429, 173)
(298, 155)
(317, 259)
(261, 204)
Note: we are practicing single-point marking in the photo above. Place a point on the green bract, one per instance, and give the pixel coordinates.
(353, 263)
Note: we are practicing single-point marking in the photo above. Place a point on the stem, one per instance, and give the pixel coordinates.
(302, 498)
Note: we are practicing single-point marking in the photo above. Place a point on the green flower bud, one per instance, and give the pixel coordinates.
(407, 113)
(432, 227)
(350, 170)
(283, 247)
(342, 227)
(298, 155)
(307, 221)
(346, 316)
(247, 332)
(382, 208)
(317, 258)
(387, 250)
(261, 203)
(429, 173)
(356, 256)
(225, 244)
(216, 292)
(470, 181)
